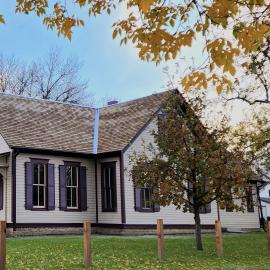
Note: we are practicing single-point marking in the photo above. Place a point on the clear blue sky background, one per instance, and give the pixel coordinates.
(112, 71)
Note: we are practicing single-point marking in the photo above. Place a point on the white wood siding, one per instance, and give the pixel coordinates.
(170, 214)
(109, 217)
(5, 213)
(4, 148)
(54, 216)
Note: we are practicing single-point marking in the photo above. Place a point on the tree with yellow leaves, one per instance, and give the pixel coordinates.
(160, 29)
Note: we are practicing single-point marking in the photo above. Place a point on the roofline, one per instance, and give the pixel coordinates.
(264, 199)
(47, 100)
(146, 124)
(140, 131)
(136, 99)
(65, 153)
(51, 152)
(79, 105)
(94, 152)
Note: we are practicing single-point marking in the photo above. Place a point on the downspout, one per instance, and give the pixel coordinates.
(96, 129)
(95, 151)
(96, 185)
(261, 218)
(15, 153)
(122, 187)
(6, 183)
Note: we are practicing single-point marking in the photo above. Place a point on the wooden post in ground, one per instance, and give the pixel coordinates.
(219, 242)
(268, 236)
(160, 239)
(87, 244)
(2, 245)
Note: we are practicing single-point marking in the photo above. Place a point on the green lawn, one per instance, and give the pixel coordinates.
(242, 252)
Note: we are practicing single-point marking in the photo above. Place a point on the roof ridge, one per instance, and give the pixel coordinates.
(47, 100)
(136, 99)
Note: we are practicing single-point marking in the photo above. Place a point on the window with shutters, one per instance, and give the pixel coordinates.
(108, 186)
(143, 199)
(39, 185)
(203, 209)
(72, 185)
(1, 191)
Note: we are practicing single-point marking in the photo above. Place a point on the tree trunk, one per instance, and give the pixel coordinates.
(198, 232)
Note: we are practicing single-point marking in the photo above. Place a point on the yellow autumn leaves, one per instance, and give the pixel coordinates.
(2, 20)
(161, 29)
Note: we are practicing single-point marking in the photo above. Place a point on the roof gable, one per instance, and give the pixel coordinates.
(120, 123)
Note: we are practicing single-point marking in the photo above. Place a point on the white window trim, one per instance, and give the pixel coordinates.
(144, 198)
(40, 185)
(72, 187)
(109, 187)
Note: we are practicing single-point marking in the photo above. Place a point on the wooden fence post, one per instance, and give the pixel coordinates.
(268, 236)
(219, 242)
(2, 245)
(87, 244)
(160, 238)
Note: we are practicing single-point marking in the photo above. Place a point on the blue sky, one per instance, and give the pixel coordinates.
(112, 71)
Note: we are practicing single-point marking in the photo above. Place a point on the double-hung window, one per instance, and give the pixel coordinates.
(108, 186)
(72, 185)
(146, 197)
(143, 199)
(39, 185)
(250, 201)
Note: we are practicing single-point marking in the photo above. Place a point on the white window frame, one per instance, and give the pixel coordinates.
(143, 201)
(39, 185)
(72, 187)
(109, 187)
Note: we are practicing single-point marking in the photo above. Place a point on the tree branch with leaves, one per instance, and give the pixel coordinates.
(188, 166)
(160, 30)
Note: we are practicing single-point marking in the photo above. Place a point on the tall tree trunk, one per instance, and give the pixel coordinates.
(198, 232)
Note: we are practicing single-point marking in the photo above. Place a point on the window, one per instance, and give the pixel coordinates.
(39, 185)
(108, 186)
(161, 121)
(146, 197)
(143, 200)
(72, 177)
(1, 191)
(249, 197)
(229, 203)
(72, 186)
(203, 209)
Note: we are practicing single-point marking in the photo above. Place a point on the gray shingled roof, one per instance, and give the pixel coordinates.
(41, 124)
(121, 122)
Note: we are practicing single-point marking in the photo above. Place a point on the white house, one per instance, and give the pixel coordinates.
(62, 164)
(265, 200)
